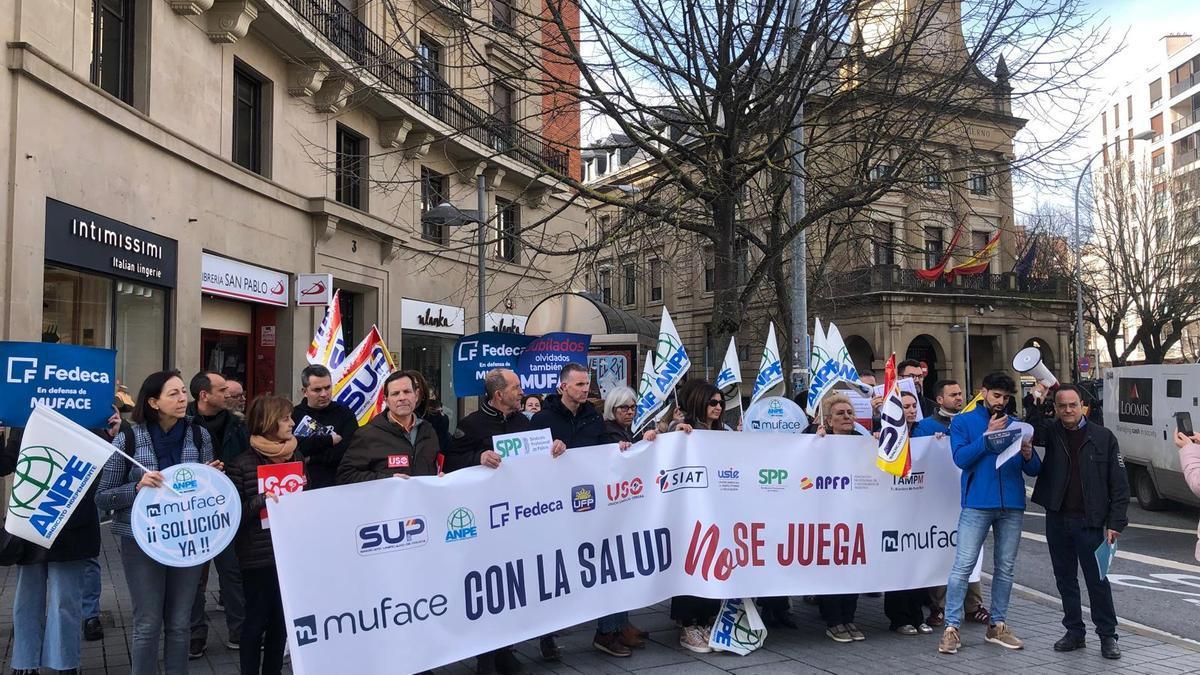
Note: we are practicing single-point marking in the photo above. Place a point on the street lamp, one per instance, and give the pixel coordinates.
(1079, 346)
(449, 215)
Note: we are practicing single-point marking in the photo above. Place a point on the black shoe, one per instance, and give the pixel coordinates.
(92, 630)
(196, 649)
(1069, 643)
(485, 664)
(506, 662)
(26, 671)
(784, 619)
(1109, 648)
(549, 649)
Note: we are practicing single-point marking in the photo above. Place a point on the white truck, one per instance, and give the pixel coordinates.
(1140, 406)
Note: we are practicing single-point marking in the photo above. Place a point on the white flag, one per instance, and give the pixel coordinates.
(668, 367)
(829, 364)
(731, 370)
(770, 368)
(58, 462)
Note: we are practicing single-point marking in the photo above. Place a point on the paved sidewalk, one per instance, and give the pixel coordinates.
(786, 651)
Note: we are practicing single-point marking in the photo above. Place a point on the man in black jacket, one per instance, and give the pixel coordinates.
(323, 429)
(230, 438)
(1085, 491)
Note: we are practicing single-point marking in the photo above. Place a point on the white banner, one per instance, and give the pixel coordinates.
(455, 566)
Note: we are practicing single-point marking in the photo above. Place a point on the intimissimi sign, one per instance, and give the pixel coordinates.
(91, 241)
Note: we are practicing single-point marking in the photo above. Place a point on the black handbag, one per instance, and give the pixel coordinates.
(12, 549)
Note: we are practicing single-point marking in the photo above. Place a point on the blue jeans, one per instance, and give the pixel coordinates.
(973, 525)
(162, 605)
(46, 615)
(91, 588)
(612, 623)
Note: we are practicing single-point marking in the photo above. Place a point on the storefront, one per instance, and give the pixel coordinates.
(429, 333)
(239, 321)
(108, 284)
(505, 323)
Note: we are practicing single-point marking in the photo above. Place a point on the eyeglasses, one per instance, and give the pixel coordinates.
(716, 401)
(625, 408)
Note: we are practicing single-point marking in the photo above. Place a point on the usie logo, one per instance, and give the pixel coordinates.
(682, 478)
(392, 535)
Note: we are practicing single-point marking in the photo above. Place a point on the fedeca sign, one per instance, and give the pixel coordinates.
(535, 360)
(77, 382)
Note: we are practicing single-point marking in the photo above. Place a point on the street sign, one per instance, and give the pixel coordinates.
(1085, 364)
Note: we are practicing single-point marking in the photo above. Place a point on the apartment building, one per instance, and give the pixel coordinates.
(174, 166)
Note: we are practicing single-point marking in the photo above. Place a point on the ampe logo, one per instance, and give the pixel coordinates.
(306, 629)
(21, 369)
(392, 535)
(468, 350)
(583, 498)
(184, 481)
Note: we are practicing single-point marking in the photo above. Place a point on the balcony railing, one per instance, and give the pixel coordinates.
(1184, 84)
(407, 77)
(1185, 121)
(891, 278)
(1182, 159)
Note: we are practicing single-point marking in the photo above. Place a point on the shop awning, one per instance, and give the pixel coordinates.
(585, 313)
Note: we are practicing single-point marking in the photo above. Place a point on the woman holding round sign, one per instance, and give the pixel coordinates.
(271, 445)
(158, 536)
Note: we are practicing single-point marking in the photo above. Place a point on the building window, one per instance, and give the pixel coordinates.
(881, 171)
(503, 99)
(112, 47)
(629, 284)
(434, 191)
(656, 280)
(884, 244)
(933, 178)
(1104, 122)
(351, 168)
(429, 76)
(934, 247)
(710, 269)
(979, 241)
(1129, 108)
(249, 130)
(508, 230)
(606, 286)
(502, 14)
(1156, 90)
(980, 184)
(1116, 115)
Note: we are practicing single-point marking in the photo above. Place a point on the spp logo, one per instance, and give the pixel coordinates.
(392, 535)
(21, 369)
(507, 447)
(625, 490)
(306, 629)
(772, 476)
(460, 525)
(184, 480)
(825, 483)
(682, 478)
(583, 498)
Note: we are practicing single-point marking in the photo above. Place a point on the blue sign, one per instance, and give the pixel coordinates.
(475, 355)
(539, 363)
(77, 382)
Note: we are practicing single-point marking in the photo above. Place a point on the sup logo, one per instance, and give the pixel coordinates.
(184, 480)
(392, 535)
(47, 485)
(583, 498)
(460, 525)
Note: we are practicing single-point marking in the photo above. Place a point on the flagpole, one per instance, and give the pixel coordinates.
(147, 470)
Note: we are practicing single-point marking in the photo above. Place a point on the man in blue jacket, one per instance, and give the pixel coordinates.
(992, 498)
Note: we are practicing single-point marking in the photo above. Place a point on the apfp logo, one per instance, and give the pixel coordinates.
(184, 481)
(41, 497)
(825, 483)
(21, 369)
(1135, 400)
(392, 535)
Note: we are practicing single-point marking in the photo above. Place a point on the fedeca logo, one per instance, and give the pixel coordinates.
(772, 480)
(26, 367)
(583, 498)
(468, 350)
(626, 490)
(391, 535)
(460, 525)
(682, 478)
(895, 541)
(183, 480)
(501, 513)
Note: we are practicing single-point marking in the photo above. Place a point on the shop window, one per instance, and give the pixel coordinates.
(433, 358)
(351, 168)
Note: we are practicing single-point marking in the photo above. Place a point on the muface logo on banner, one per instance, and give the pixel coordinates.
(475, 355)
(76, 382)
(538, 365)
(775, 413)
(191, 527)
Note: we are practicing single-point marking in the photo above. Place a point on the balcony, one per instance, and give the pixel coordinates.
(405, 77)
(1184, 84)
(894, 279)
(1185, 121)
(1182, 159)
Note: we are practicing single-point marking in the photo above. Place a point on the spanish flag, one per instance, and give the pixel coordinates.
(973, 402)
(978, 262)
(894, 456)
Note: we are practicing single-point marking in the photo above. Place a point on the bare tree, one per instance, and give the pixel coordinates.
(1142, 268)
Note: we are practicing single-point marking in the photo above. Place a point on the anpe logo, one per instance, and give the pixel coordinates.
(625, 490)
(895, 541)
(913, 481)
(502, 512)
(184, 480)
(391, 535)
(583, 498)
(825, 483)
(682, 478)
(39, 499)
(460, 525)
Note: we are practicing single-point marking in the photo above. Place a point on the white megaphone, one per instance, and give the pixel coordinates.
(1028, 361)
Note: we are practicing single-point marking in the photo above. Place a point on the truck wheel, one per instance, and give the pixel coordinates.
(1147, 495)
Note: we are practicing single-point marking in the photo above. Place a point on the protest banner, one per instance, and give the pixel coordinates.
(539, 363)
(279, 479)
(770, 368)
(358, 382)
(476, 354)
(328, 347)
(58, 462)
(523, 443)
(190, 523)
(494, 557)
(77, 382)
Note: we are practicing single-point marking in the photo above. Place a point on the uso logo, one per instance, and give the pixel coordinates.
(389, 536)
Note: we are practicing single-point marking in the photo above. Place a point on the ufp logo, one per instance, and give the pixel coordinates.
(392, 535)
(41, 497)
(509, 446)
(21, 369)
(184, 480)
(460, 525)
(583, 498)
